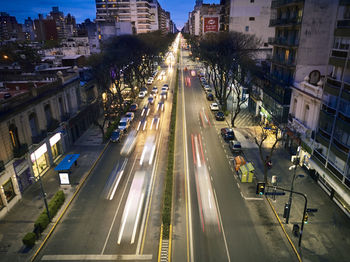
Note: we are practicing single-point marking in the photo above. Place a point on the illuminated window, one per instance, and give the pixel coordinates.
(286, 55)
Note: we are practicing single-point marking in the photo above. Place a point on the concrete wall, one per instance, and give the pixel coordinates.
(241, 10)
(316, 37)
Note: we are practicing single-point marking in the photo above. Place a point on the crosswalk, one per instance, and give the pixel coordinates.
(164, 251)
(245, 119)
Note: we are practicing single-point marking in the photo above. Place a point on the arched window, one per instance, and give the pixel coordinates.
(14, 135)
(306, 113)
(48, 113)
(33, 123)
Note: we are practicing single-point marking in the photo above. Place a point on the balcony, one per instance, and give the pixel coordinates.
(40, 137)
(52, 125)
(292, 21)
(343, 24)
(283, 62)
(65, 117)
(280, 3)
(282, 41)
(20, 151)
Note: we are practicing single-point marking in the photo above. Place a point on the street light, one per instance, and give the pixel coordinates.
(289, 205)
(41, 187)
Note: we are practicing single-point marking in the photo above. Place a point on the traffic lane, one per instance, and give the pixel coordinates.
(84, 227)
(152, 230)
(227, 196)
(208, 239)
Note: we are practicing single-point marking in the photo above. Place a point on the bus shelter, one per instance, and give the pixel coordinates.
(65, 167)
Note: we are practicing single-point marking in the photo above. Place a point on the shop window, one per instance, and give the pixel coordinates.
(252, 18)
(247, 28)
(9, 190)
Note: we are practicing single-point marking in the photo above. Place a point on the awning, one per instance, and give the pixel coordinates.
(67, 162)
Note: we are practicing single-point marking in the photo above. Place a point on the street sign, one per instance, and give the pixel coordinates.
(310, 210)
(275, 193)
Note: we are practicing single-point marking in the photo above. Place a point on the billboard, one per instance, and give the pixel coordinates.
(210, 24)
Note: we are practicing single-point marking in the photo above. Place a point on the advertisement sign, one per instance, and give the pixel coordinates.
(64, 178)
(210, 24)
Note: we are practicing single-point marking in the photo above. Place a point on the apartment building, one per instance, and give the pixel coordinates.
(9, 28)
(331, 155)
(141, 14)
(300, 46)
(204, 18)
(40, 117)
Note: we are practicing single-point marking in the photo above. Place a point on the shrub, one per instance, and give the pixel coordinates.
(29, 239)
(42, 221)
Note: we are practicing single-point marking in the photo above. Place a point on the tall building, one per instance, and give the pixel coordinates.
(9, 28)
(140, 14)
(300, 46)
(331, 156)
(253, 17)
(28, 29)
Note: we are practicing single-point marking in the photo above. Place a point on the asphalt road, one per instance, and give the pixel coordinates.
(212, 221)
(116, 215)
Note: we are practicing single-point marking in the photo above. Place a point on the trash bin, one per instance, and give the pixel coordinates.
(296, 230)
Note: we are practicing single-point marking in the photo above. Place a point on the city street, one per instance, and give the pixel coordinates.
(215, 223)
(117, 212)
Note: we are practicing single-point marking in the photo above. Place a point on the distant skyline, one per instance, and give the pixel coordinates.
(83, 9)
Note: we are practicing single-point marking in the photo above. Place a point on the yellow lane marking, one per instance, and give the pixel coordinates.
(160, 242)
(284, 230)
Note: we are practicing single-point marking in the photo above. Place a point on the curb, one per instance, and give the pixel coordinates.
(284, 231)
(68, 205)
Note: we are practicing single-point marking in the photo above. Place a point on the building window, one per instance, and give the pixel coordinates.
(266, 44)
(247, 28)
(14, 136)
(8, 190)
(251, 18)
(252, 1)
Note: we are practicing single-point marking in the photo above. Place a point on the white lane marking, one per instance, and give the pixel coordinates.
(83, 257)
(238, 185)
(118, 180)
(116, 212)
(222, 227)
(242, 195)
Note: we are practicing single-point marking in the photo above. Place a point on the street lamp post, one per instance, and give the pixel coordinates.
(42, 189)
(296, 162)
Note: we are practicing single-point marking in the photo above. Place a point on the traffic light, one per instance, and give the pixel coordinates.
(306, 218)
(260, 188)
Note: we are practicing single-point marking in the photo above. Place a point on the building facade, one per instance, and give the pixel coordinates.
(44, 116)
(331, 155)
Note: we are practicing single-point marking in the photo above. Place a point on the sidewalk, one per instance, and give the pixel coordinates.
(20, 220)
(326, 236)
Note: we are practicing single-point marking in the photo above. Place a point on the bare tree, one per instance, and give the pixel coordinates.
(265, 157)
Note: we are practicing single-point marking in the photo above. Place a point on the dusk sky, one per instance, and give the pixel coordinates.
(83, 9)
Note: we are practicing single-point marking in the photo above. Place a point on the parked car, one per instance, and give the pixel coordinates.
(227, 134)
(214, 107)
(220, 116)
(235, 146)
(207, 89)
(210, 97)
(144, 89)
(142, 94)
(150, 81)
(115, 136)
(133, 107)
(124, 124)
(165, 86)
(130, 116)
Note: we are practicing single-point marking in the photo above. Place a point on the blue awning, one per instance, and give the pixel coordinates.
(67, 162)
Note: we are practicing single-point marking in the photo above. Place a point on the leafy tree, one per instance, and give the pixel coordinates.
(276, 137)
(227, 57)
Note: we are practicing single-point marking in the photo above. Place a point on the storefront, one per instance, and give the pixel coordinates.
(56, 146)
(23, 174)
(40, 160)
(9, 190)
(292, 142)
